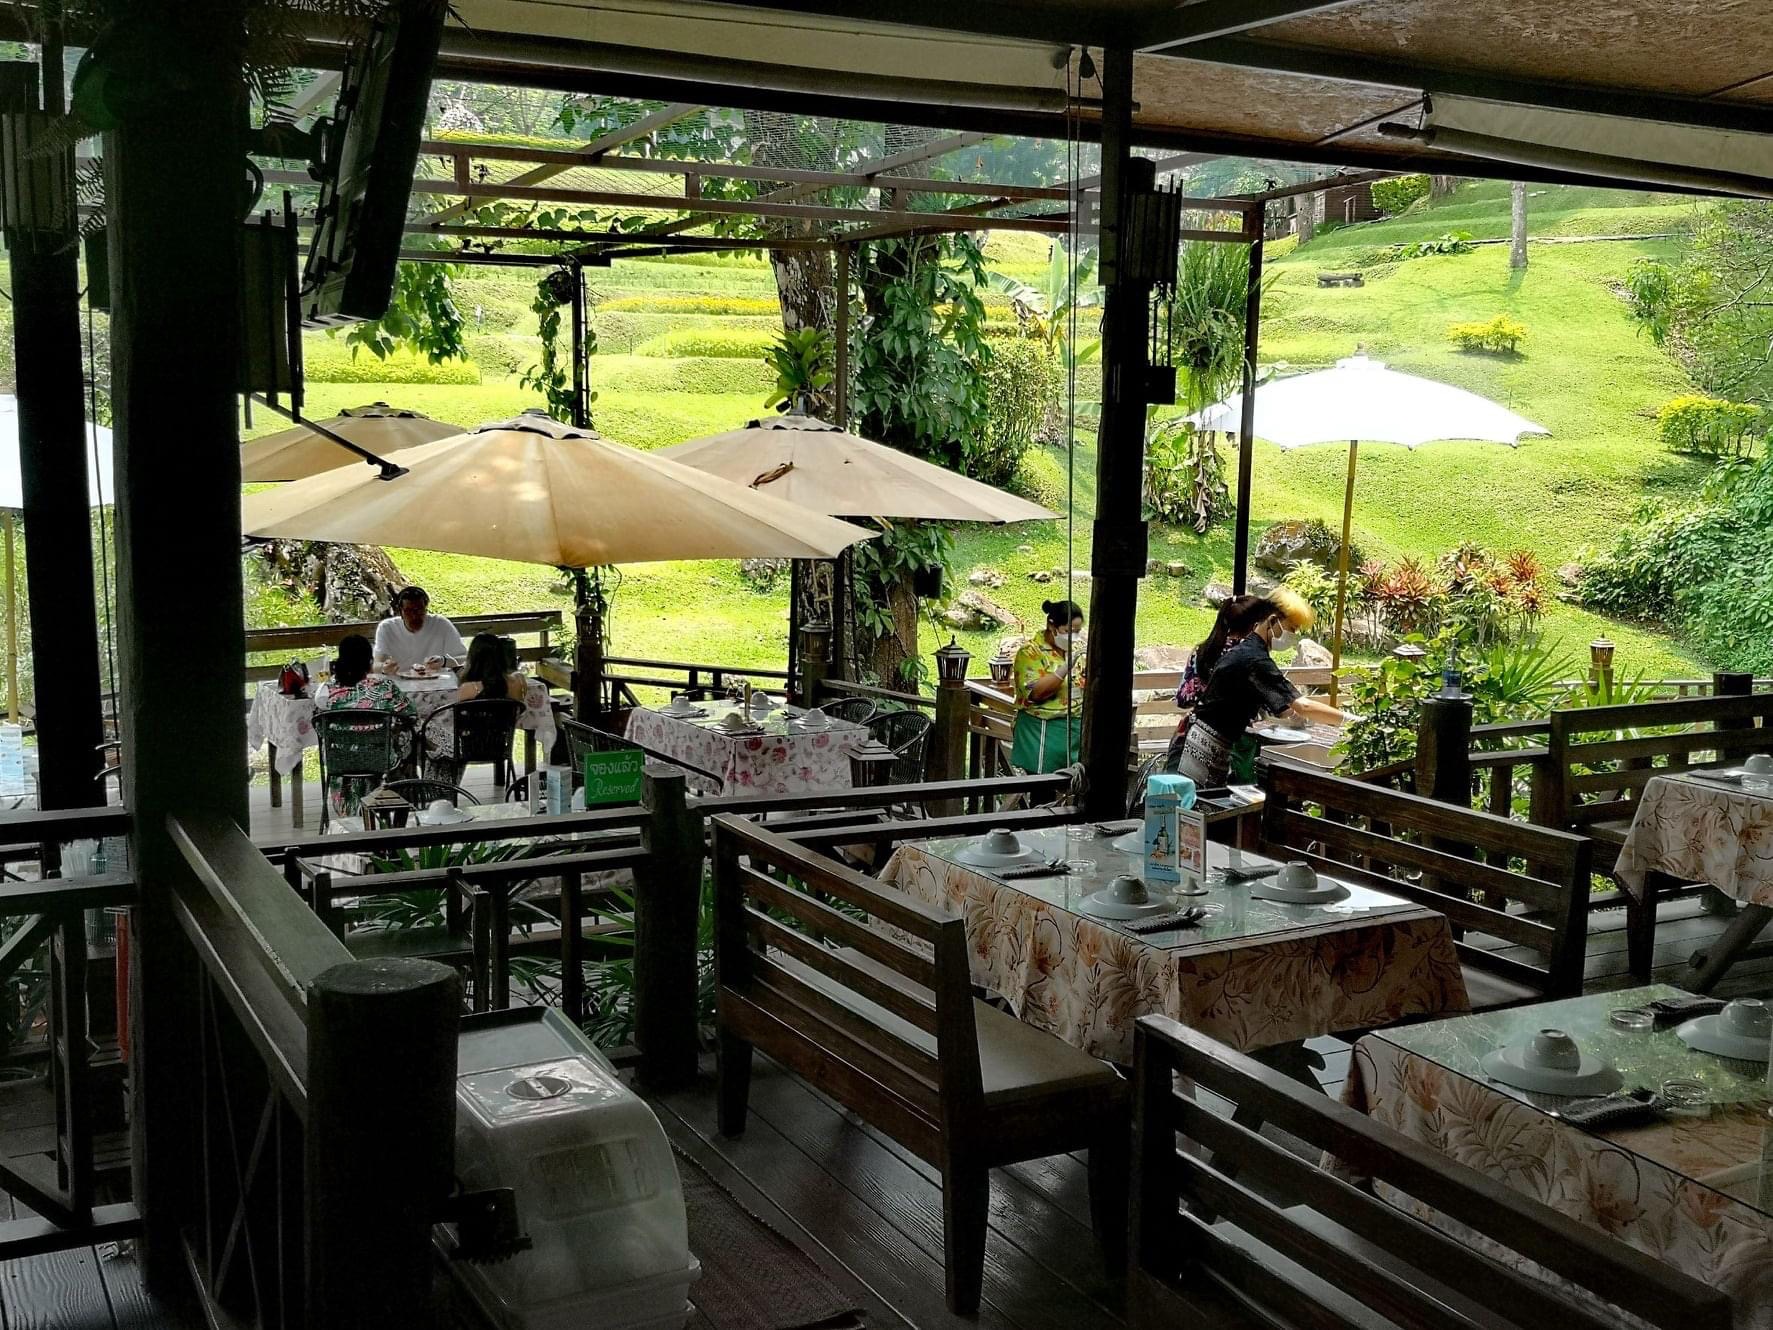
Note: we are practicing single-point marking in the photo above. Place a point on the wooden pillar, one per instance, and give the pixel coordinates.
(174, 238)
(842, 389)
(667, 907)
(380, 1138)
(815, 655)
(581, 362)
(1443, 750)
(1246, 430)
(948, 742)
(53, 445)
(1118, 543)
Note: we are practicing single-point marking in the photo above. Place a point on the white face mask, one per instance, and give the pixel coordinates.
(1284, 639)
(1061, 639)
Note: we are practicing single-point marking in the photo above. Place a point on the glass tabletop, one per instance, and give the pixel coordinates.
(781, 720)
(1725, 1142)
(1092, 861)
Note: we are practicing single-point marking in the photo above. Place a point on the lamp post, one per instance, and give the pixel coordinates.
(948, 758)
(1600, 663)
(815, 656)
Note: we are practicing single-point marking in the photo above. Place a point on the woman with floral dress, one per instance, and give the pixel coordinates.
(1049, 694)
(355, 687)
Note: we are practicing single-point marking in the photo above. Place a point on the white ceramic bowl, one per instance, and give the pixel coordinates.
(1759, 764)
(1551, 1062)
(1742, 1030)
(1127, 890)
(1296, 876)
(997, 848)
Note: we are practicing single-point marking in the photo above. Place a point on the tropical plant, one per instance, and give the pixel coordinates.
(1500, 335)
(422, 316)
(802, 361)
(1709, 426)
(552, 376)
(1316, 587)
(1395, 195)
(1454, 242)
(1023, 391)
(1050, 309)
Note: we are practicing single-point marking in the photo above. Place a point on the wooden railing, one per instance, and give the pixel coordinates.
(620, 673)
(301, 641)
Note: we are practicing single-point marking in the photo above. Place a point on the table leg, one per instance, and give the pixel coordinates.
(1712, 965)
(295, 797)
(276, 779)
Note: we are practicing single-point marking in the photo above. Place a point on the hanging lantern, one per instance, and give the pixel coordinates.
(951, 663)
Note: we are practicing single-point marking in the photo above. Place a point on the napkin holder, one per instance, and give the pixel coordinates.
(1167, 796)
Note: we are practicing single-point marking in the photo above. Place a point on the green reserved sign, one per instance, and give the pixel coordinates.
(613, 778)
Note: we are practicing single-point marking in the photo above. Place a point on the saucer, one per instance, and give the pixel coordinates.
(426, 818)
(1270, 889)
(1098, 904)
(977, 856)
(1592, 1077)
(1705, 1034)
(686, 713)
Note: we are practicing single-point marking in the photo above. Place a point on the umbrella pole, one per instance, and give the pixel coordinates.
(1342, 570)
(6, 523)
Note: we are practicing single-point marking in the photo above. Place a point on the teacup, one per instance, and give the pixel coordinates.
(442, 810)
(1001, 841)
(814, 719)
(1553, 1050)
(1296, 876)
(1759, 764)
(732, 721)
(1747, 1018)
(679, 704)
(1128, 890)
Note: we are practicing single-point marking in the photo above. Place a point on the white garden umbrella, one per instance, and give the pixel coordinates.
(1361, 401)
(302, 451)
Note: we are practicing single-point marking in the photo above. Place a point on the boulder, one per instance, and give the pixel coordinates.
(1286, 545)
(1153, 567)
(1216, 593)
(1310, 652)
(985, 577)
(971, 611)
(1040, 575)
(1176, 568)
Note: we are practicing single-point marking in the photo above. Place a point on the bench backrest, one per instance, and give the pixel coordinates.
(303, 640)
(1465, 864)
(1206, 1227)
(770, 901)
(1598, 759)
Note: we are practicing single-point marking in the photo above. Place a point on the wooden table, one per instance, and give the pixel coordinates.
(1254, 975)
(1696, 829)
(1694, 1191)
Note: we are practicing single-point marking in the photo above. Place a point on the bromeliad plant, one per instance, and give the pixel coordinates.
(802, 362)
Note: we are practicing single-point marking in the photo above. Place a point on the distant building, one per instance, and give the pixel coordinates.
(1339, 204)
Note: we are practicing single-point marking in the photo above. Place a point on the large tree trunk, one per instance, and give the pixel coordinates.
(1305, 219)
(351, 583)
(1517, 249)
(1439, 186)
(806, 285)
(893, 658)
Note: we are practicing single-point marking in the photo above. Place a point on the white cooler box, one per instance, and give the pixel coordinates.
(540, 1110)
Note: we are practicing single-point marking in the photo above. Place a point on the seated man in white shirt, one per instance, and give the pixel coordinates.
(415, 636)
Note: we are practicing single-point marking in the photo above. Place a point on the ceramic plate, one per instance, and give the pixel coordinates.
(1101, 907)
(1286, 734)
(976, 856)
(1267, 889)
(1131, 843)
(688, 713)
(1704, 1034)
(1592, 1077)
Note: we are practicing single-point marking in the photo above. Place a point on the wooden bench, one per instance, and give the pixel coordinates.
(1454, 860)
(890, 1029)
(1341, 279)
(1598, 760)
(1235, 1229)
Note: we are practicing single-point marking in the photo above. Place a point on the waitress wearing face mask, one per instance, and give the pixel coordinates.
(1246, 684)
(1049, 693)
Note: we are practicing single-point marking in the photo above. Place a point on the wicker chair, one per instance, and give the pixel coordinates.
(907, 733)
(482, 730)
(359, 746)
(421, 792)
(856, 710)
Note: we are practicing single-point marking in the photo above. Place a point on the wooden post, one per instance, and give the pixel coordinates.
(1342, 571)
(843, 337)
(174, 240)
(379, 1144)
(1443, 750)
(1727, 683)
(1118, 544)
(52, 448)
(948, 742)
(667, 909)
(6, 524)
(1246, 429)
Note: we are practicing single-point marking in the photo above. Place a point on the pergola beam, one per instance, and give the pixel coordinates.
(588, 155)
(1379, 72)
(1017, 20)
(1205, 20)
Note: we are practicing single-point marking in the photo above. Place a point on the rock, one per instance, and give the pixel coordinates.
(1176, 568)
(1161, 658)
(350, 582)
(985, 577)
(1569, 575)
(1024, 549)
(1286, 545)
(973, 610)
(1310, 652)
(764, 574)
(1040, 575)
(1216, 594)
(1153, 567)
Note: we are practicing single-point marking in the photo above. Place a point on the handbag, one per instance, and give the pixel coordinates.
(293, 680)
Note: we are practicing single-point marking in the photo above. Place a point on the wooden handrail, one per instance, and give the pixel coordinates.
(293, 636)
(57, 825)
(879, 796)
(744, 671)
(847, 689)
(391, 839)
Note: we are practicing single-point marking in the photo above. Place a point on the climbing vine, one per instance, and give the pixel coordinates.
(552, 376)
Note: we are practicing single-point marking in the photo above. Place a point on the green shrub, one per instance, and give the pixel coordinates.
(736, 343)
(1501, 335)
(1454, 242)
(1023, 383)
(699, 304)
(325, 360)
(690, 375)
(1318, 589)
(1394, 196)
(1709, 426)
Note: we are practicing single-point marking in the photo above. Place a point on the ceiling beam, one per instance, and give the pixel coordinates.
(1380, 72)
(1205, 20)
(473, 232)
(642, 128)
(1016, 20)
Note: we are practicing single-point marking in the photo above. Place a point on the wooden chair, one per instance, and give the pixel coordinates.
(481, 730)
(1234, 1229)
(359, 745)
(1598, 760)
(1466, 865)
(891, 1030)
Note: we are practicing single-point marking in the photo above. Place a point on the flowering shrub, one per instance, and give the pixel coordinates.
(1500, 335)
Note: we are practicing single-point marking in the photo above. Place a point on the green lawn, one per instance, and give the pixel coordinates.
(1585, 374)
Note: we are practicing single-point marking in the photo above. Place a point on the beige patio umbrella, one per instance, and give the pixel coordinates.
(829, 470)
(537, 491)
(300, 451)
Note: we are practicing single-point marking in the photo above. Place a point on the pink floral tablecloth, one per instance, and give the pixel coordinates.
(1700, 831)
(286, 723)
(782, 759)
(1277, 977)
(1693, 1192)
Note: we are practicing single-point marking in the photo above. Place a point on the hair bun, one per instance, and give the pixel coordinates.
(1048, 606)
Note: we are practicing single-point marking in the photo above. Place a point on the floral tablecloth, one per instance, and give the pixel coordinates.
(1254, 974)
(286, 723)
(1695, 1192)
(780, 758)
(1701, 831)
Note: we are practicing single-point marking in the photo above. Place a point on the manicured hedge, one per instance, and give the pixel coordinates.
(728, 343)
(329, 360)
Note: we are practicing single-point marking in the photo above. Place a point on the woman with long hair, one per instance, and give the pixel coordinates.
(1200, 666)
(485, 675)
(1246, 683)
(354, 686)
